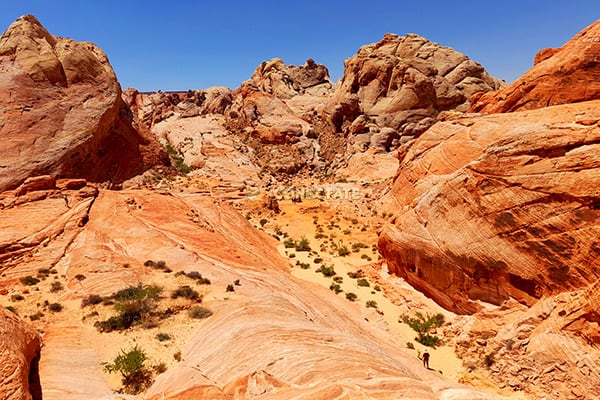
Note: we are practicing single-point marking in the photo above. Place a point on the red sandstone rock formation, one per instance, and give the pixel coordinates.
(559, 76)
(62, 111)
(500, 206)
(19, 357)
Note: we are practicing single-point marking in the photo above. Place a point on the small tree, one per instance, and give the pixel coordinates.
(130, 364)
(423, 324)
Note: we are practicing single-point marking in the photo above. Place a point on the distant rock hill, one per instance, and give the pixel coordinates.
(62, 111)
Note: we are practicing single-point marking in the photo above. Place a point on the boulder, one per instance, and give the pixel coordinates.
(62, 111)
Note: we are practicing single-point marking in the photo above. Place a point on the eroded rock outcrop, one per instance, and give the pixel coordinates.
(559, 76)
(19, 357)
(499, 206)
(62, 111)
(275, 111)
(393, 90)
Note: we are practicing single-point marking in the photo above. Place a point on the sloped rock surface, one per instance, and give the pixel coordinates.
(19, 355)
(62, 111)
(499, 206)
(559, 76)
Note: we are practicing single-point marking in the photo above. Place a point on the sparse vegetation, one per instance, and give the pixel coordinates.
(55, 307)
(180, 165)
(80, 277)
(163, 337)
(29, 280)
(351, 296)
(289, 243)
(199, 312)
(356, 275)
(338, 279)
(56, 286)
(303, 245)
(363, 282)
(423, 324)
(336, 288)
(36, 316)
(186, 292)
(489, 359)
(136, 377)
(92, 299)
(17, 297)
(343, 251)
(326, 270)
(371, 304)
(230, 288)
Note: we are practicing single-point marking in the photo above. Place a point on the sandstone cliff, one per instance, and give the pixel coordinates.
(62, 111)
(565, 75)
(20, 352)
(488, 208)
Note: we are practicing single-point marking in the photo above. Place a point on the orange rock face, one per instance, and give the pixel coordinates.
(499, 206)
(559, 76)
(63, 110)
(19, 357)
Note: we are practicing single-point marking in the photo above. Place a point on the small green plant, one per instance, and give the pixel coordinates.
(92, 299)
(363, 282)
(303, 245)
(163, 337)
(136, 377)
(338, 279)
(199, 312)
(36, 316)
(180, 165)
(11, 309)
(336, 288)
(56, 286)
(289, 243)
(55, 307)
(371, 304)
(29, 280)
(193, 275)
(326, 270)
(186, 292)
(356, 275)
(423, 324)
(351, 296)
(230, 288)
(343, 251)
(377, 288)
(80, 277)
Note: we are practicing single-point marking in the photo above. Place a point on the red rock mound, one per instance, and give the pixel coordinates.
(559, 76)
(63, 112)
(501, 206)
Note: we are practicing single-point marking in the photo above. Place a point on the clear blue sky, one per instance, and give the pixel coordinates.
(180, 45)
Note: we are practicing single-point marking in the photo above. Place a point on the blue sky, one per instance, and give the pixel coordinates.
(180, 45)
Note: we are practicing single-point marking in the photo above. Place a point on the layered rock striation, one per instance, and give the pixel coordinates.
(61, 111)
(19, 358)
(500, 206)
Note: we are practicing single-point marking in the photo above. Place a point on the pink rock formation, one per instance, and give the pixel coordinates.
(19, 357)
(63, 109)
(559, 76)
(500, 206)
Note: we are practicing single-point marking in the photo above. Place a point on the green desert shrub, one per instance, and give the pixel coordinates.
(186, 292)
(136, 377)
(199, 312)
(423, 324)
(29, 280)
(363, 282)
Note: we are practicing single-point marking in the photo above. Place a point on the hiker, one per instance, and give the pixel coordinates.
(426, 359)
